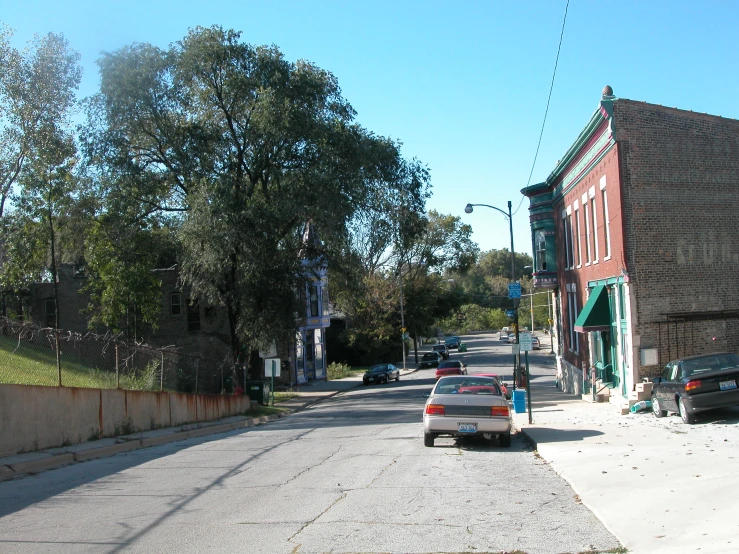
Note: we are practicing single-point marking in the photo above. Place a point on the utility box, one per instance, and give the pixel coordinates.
(258, 391)
(462, 347)
(519, 401)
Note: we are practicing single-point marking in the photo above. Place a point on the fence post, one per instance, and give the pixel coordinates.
(161, 374)
(117, 374)
(58, 356)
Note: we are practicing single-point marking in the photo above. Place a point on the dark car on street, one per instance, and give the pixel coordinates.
(452, 342)
(695, 384)
(441, 349)
(430, 359)
(381, 373)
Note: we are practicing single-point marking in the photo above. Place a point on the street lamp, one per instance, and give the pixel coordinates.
(468, 209)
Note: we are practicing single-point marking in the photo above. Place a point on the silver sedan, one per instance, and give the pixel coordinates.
(464, 405)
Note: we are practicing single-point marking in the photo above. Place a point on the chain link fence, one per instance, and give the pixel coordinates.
(33, 355)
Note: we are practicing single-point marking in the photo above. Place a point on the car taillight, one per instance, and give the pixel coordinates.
(693, 385)
(498, 411)
(435, 409)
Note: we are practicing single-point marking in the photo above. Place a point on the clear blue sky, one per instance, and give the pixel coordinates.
(463, 84)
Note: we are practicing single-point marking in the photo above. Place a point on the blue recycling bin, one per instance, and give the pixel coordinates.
(519, 401)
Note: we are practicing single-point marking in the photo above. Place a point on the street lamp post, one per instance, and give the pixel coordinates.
(468, 209)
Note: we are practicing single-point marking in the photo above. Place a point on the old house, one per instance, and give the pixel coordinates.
(199, 332)
(634, 234)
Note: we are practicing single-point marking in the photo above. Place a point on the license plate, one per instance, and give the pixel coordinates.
(727, 385)
(467, 427)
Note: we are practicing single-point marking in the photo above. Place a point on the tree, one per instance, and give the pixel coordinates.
(37, 92)
(241, 148)
(37, 154)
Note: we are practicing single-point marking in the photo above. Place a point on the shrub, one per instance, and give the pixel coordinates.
(338, 371)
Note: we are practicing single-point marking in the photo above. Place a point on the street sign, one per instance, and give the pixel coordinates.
(514, 290)
(510, 313)
(272, 365)
(524, 339)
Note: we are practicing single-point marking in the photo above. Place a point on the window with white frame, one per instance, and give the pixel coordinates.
(567, 236)
(587, 228)
(606, 221)
(593, 212)
(577, 242)
(572, 309)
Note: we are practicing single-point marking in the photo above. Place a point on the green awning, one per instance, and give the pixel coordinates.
(596, 314)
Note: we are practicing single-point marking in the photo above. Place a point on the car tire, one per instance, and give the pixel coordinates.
(505, 439)
(397, 378)
(428, 440)
(657, 408)
(383, 381)
(687, 417)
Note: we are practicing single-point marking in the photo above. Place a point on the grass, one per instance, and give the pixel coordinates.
(281, 396)
(30, 364)
(257, 410)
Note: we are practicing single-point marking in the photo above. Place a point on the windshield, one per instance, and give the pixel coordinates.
(467, 385)
(429, 356)
(714, 362)
(377, 368)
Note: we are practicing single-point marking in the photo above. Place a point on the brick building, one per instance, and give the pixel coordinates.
(634, 234)
(200, 330)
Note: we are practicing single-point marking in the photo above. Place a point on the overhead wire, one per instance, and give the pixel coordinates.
(546, 111)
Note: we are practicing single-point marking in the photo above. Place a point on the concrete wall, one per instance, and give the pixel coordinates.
(34, 417)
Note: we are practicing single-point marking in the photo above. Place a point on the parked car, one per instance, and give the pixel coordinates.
(498, 380)
(461, 406)
(504, 332)
(511, 339)
(381, 373)
(695, 384)
(451, 367)
(430, 359)
(452, 342)
(442, 350)
(535, 343)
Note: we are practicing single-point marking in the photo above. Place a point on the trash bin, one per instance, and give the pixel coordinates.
(519, 401)
(258, 391)
(463, 347)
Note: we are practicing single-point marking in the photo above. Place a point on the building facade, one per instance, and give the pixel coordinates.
(633, 234)
(200, 330)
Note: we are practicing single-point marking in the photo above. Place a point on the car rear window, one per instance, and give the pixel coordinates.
(443, 365)
(719, 362)
(467, 386)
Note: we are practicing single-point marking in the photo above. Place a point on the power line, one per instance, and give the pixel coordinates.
(551, 87)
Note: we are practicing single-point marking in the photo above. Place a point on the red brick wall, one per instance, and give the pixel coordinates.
(607, 167)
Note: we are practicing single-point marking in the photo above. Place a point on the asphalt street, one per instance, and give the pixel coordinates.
(350, 474)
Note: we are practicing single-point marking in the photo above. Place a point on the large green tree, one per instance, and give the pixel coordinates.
(37, 158)
(240, 147)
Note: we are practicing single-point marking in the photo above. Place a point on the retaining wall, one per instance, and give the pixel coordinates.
(36, 418)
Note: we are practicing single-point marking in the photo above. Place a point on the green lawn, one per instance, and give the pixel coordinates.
(30, 364)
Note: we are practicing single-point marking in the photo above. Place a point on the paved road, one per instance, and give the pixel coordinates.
(349, 475)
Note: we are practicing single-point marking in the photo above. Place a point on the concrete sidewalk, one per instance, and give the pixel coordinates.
(43, 460)
(658, 485)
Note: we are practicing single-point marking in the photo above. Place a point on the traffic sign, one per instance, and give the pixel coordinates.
(524, 339)
(514, 290)
(510, 313)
